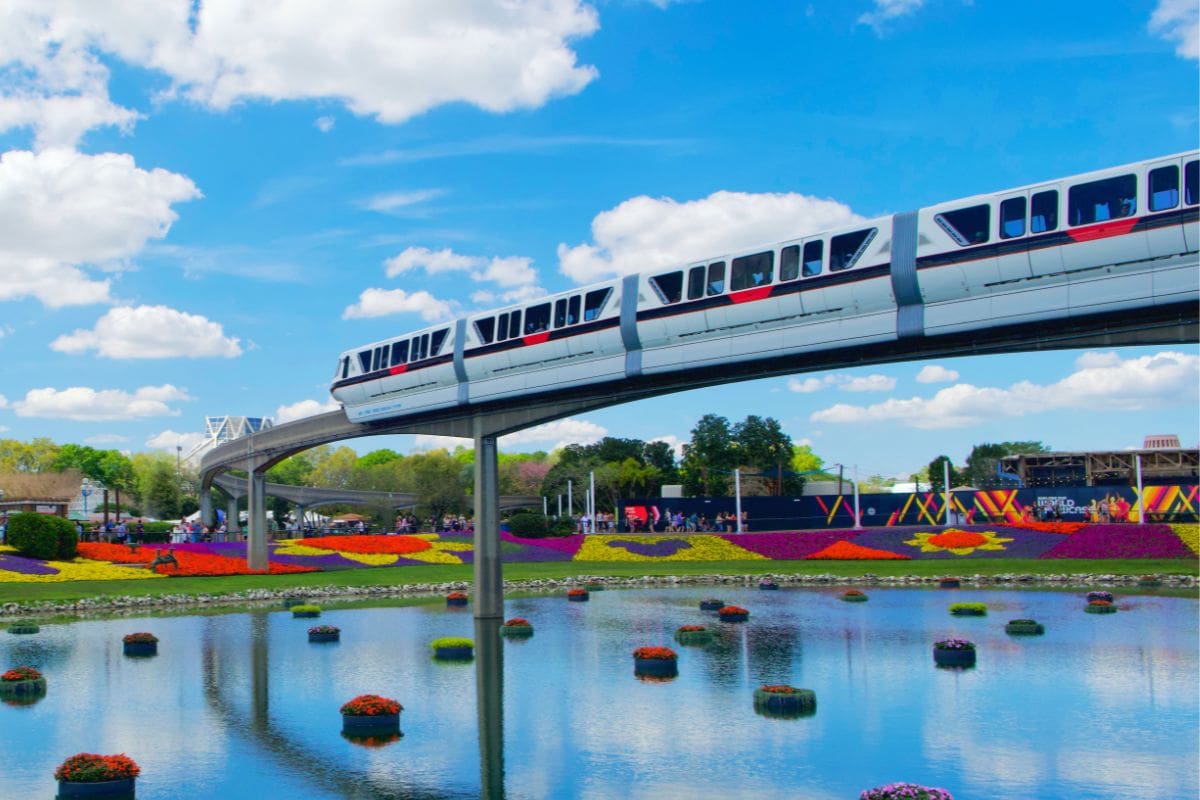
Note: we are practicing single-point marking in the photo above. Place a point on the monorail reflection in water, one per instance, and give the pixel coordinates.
(242, 706)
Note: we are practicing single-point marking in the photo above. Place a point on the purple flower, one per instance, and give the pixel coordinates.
(1121, 541)
(25, 566)
(788, 546)
(563, 544)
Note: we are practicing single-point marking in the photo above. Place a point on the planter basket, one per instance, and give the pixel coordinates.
(1149, 583)
(35, 687)
(801, 703)
(324, 637)
(23, 628)
(949, 583)
(734, 617)
(140, 648)
(516, 631)
(456, 601)
(712, 605)
(694, 637)
(854, 598)
(1097, 608)
(656, 667)
(370, 725)
(578, 598)
(969, 612)
(465, 653)
(594, 587)
(1024, 628)
(305, 614)
(954, 658)
(100, 790)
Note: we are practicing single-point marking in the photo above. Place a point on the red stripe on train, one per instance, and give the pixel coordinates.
(747, 295)
(400, 370)
(536, 338)
(1118, 227)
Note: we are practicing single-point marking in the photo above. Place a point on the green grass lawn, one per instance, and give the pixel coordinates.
(408, 575)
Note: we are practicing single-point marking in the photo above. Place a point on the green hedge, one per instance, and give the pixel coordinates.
(528, 526)
(42, 536)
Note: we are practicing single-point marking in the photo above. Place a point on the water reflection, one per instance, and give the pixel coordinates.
(489, 700)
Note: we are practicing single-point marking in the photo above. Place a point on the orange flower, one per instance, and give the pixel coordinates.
(21, 674)
(371, 705)
(690, 628)
(191, 564)
(517, 622)
(657, 653)
(393, 545)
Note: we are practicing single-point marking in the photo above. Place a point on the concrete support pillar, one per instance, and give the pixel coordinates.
(300, 511)
(256, 547)
(489, 704)
(489, 580)
(206, 507)
(231, 516)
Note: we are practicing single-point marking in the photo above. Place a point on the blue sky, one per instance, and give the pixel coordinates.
(202, 204)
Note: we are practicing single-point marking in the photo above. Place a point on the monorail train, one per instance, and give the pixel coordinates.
(1103, 241)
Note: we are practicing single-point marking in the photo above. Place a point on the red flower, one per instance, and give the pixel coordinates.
(732, 610)
(371, 705)
(1099, 602)
(93, 768)
(778, 688)
(576, 592)
(658, 653)
(394, 545)
(1048, 527)
(517, 622)
(21, 674)
(191, 564)
(852, 593)
(690, 628)
(139, 638)
(456, 596)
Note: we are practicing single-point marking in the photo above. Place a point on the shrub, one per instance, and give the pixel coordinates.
(968, 609)
(306, 608)
(451, 641)
(528, 526)
(563, 526)
(42, 536)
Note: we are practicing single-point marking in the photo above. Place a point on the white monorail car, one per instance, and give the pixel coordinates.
(1109, 240)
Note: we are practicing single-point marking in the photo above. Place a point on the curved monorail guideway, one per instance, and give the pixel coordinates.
(1106, 258)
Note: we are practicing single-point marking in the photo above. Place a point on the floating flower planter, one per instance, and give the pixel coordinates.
(1024, 627)
(372, 740)
(949, 583)
(693, 634)
(711, 604)
(969, 609)
(140, 644)
(324, 633)
(954, 653)
(456, 599)
(781, 700)
(577, 595)
(516, 627)
(768, 584)
(655, 662)
(905, 791)
(1100, 607)
(453, 648)
(1149, 582)
(370, 715)
(95, 776)
(305, 611)
(1107, 596)
(23, 628)
(732, 614)
(594, 587)
(291, 602)
(22, 683)
(854, 596)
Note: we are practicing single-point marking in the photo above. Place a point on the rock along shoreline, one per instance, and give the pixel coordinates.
(104, 604)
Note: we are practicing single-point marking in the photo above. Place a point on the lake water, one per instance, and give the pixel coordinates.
(242, 706)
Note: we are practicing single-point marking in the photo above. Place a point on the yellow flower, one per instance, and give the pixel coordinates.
(961, 543)
(1190, 534)
(82, 570)
(619, 547)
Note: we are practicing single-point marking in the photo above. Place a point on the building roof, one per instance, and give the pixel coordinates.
(43, 487)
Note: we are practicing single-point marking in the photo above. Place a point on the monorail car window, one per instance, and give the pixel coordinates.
(1098, 201)
(537, 318)
(1012, 218)
(1164, 188)
(486, 329)
(560, 312)
(1191, 182)
(593, 303)
(364, 360)
(573, 310)
(345, 367)
(400, 353)
(375, 362)
(847, 249)
(668, 286)
(1043, 214)
(814, 254)
(967, 226)
(514, 324)
(789, 263)
(695, 283)
(381, 356)
(716, 278)
(439, 338)
(747, 272)
(502, 331)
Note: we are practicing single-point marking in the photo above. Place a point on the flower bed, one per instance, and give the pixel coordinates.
(711, 604)
(733, 614)
(306, 611)
(954, 653)
(693, 635)
(456, 599)
(657, 662)
(1122, 541)
(22, 682)
(854, 596)
(517, 626)
(1048, 527)
(1189, 535)
(848, 551)
(781, 700)
(1100, 607)
(397, 545)
(1024, 627)
(453, 648)
(905, 791)
(324, 633)
(577, 595)
(92, 775)
(958, 542)
(968, 609)
(190, 563)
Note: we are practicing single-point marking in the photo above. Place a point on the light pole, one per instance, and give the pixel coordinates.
(85, 490)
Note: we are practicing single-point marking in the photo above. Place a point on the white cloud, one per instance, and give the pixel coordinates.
(561, 432)
(3, 401)
(504, 271)
(151, 332)
(847, 383)
(168, 440)
(380, 60)
(324, 124)
(428, 441)
(304, 408)
(89, 405)
(644, 232)
(935, 373)
(508, 272)
(60, 121)
(60, 210)
(382, 302)
(1101, 381)
(886, 10)
(388, 202)
(106, 438)
(1178, 20)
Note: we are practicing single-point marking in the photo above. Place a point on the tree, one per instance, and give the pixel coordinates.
(38, 455)
(436, 478)
(661, 456)
(804, 460)
(980, 468)
(335, 470)
(762, 445)
(936, 473)
(158, 487)
(708, 458)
